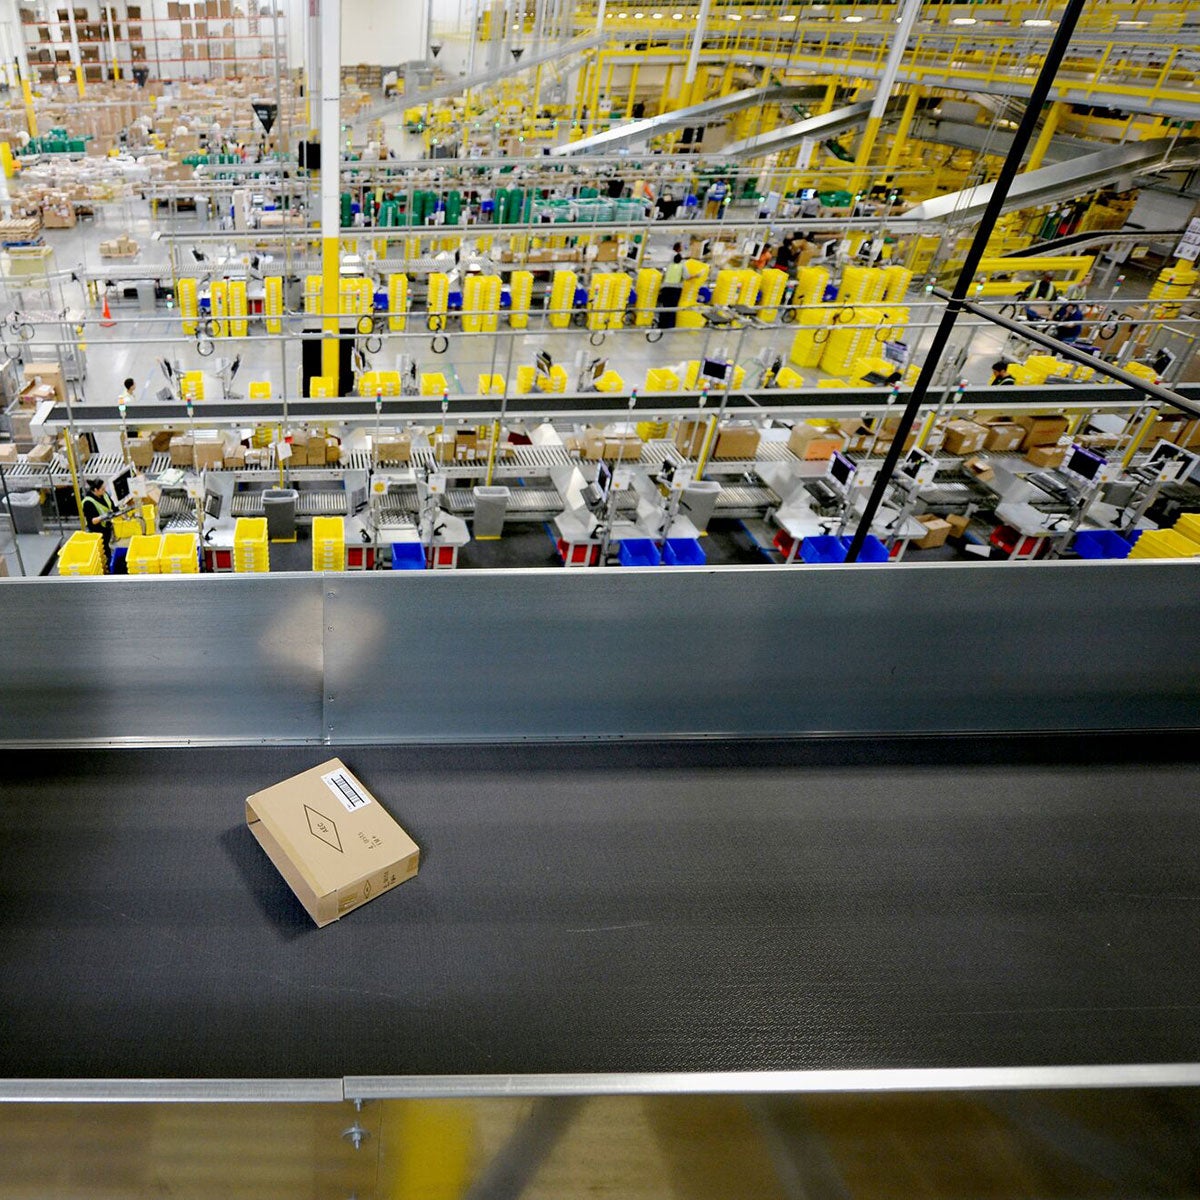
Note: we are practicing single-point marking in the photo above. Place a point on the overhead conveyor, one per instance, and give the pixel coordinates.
(1118, 165)
(694, 114)
(555, 52)
(825, 125)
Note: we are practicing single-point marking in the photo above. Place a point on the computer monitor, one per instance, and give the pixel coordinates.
(841, 469)
(597, 369)
(543, 362)
(715, 369)
(1083, 463)
(1163, 452)
(808, 193)
(603, 478)
(830, 249)
(120, 484)
(913, 463)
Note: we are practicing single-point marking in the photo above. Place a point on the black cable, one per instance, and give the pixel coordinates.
(983, 231)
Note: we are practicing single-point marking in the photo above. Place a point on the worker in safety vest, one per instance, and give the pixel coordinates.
(672, 288)
(98, 510)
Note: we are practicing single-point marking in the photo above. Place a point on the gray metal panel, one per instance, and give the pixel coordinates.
(751, 651)
(160, 659)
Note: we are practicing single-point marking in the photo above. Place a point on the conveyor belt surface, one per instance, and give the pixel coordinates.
(652, 907)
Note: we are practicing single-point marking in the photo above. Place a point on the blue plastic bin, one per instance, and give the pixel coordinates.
(638, 552)
(825, 549)
(683, 552)
(117, 564)
(408, 556)
(1100, 543)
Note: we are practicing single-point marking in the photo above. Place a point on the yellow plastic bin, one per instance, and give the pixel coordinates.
(82, 555)
(1164, 543)
(250, 545)
(433, 383)
(142, 557)
(328, 544)
(179, 554)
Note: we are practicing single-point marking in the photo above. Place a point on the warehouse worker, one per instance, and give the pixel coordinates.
(672, 288)
(97, 514)
(1000, 375)
(1068, 322)
(714, 199)
(1041, 289)
(128, 392)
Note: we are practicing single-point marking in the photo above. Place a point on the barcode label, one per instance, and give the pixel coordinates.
(346, 788)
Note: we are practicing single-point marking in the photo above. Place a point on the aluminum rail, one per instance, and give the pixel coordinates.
(825, 125)
(694, 114)
(1064, 179)
(564, 406)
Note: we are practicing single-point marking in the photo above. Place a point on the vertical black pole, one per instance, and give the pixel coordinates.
(1000, 190)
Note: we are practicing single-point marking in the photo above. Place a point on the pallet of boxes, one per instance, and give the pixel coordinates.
(119, 247)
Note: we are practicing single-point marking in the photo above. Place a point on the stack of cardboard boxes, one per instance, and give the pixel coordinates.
(119, 247)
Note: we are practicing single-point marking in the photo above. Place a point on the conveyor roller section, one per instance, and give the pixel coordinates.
(745, 500)
(401, 503)
(527, 503)
(308, 504)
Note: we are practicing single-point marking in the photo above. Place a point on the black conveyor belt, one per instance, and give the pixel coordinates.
(682, 906)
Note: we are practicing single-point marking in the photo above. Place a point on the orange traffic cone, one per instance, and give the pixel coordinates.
(106, 317)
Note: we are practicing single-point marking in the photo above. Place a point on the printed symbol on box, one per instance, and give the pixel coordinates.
(366, 889)
(345, 787)
(323, 829)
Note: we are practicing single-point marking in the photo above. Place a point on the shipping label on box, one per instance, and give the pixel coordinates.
(331, 840)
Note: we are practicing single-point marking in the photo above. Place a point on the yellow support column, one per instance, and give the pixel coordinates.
(631, 99)
(1049, 125)
(901, 134)
(30, 115)
(862, 157)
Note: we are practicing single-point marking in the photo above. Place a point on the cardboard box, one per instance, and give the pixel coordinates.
(978, 468)
(235, 458)
(811, 443)
(736, 441)
(939, 531)
(331, 840)
(958, 525)
(963, 437)
(1003, 437)
(210, 454)
(1041, 431)
(394, 449)
(47, 374)
(689, 438)
(160, 440)
(42, 453)
(181, 451)
(613, 447)
(141, 451)
(1046, 456)
(8, 452)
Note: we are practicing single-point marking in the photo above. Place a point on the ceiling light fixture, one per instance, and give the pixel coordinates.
(1038, 23)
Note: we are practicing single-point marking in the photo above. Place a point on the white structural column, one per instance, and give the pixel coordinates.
(693, 61)
(76, 57)
(329, 59)
(907, 19)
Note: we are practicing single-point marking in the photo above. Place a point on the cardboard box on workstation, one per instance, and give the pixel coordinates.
(938, 531)
(1003, 437)
(1042, 431)
(8, 453)
(958, 524)
(812, 443)
(1046, 456)
(963, 437)
(736, 440)
(331, 840)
